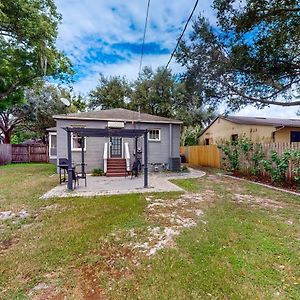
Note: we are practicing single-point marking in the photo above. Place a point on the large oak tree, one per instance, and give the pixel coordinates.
(28, 32)
(251, 56)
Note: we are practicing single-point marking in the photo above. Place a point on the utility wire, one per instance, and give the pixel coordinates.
(181, 35)
(143, 44)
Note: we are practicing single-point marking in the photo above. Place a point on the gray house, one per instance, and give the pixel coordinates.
(109, 152)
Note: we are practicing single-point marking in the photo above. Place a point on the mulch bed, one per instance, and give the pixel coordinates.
(290, 186)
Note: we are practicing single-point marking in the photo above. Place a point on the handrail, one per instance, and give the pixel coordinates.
(127, 156)
(105, 157)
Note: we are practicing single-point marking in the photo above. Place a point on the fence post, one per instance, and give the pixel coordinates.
(28, 150)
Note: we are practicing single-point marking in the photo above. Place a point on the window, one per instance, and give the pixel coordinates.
(77, 142)
(206, 141)
(295, 136)
(52, 145)
(154, 135)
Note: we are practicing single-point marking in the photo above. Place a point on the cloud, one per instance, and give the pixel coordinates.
(129, 69)
(106, 36)
(272, 111)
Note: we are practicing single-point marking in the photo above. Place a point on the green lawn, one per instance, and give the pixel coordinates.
(246, 245)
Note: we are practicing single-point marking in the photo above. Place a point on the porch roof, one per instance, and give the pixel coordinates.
(106, 132)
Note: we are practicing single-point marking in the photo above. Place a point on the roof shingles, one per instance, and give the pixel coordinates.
(118, 114)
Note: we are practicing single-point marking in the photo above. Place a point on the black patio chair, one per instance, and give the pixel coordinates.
(81, 175)
(136, 167)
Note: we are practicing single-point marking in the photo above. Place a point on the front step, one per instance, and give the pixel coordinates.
(116, 167)
(116, 174)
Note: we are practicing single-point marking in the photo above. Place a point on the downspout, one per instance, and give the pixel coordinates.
(170, 140)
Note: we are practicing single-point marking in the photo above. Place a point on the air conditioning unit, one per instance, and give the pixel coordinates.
(174, 164)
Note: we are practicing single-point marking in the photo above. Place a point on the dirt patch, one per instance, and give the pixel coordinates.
(171, 217)
(115, 263)
(257, 201)
(88, 284)
(8, 243)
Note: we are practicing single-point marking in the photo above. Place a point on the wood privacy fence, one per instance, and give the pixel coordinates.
(211, 156)
(5, 154)
(264, 151)
(23, 153)
(206, 156)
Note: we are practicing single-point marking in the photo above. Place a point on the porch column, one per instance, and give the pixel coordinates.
(70, 170)
(82, 155)
(146, 159)
(136, 147)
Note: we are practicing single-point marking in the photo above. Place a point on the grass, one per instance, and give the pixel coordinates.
(242, 250)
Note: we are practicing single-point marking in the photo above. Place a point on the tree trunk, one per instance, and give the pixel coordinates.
(7, 135)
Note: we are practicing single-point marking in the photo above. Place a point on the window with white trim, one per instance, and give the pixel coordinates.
(52, 145)
(154, 135)
(77, 142)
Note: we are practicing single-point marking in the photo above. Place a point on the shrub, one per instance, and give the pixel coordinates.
(185, 169)
(277, 165)
(97, 172)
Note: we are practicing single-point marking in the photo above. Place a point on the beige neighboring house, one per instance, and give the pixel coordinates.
(257, 129)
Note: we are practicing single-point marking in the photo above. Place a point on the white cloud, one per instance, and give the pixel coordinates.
(272, 111)
(127, 69)
(98, 24)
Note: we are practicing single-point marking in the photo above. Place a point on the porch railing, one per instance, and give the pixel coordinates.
(105, 157)
(127, 156)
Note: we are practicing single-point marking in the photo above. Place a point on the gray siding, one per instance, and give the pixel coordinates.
(158, 152)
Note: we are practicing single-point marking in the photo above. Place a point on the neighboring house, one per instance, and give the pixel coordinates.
(163, 138)
(257, 129)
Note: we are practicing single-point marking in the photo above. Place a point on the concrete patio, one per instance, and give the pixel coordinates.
(158, 182)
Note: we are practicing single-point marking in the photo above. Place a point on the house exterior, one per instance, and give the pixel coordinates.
(163, 138)
(257, 129)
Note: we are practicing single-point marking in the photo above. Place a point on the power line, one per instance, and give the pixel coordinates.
(181, 35)
(145, 29)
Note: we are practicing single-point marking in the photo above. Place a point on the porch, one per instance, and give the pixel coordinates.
(114, 163)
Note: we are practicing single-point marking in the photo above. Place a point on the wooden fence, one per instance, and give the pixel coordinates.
(5, 154)
(211, 156)
(246, 163)
(23, 153)
(206, 156)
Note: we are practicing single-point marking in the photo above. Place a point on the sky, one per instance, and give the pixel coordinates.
(101, 36)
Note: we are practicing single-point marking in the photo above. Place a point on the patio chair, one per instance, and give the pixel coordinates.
(81, 175)
(135, 168)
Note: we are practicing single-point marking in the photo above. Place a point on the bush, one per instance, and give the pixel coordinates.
(185, 169)
(243, 156)
(97, 172)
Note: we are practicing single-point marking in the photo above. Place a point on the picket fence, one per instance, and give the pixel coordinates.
(23, 153)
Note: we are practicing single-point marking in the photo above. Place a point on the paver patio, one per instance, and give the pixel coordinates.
(158, 182)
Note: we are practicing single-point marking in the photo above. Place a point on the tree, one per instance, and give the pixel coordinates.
(154, 92)
(10, 115)
(34, 115)
(28, 31)
(111, 92)
(189, 108)
(251, 57)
